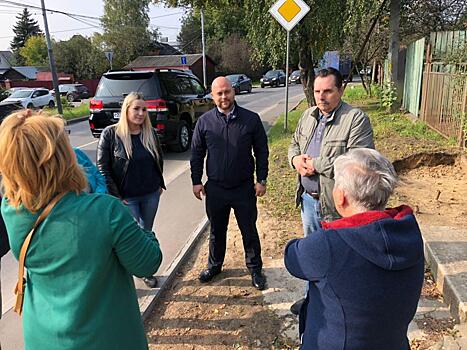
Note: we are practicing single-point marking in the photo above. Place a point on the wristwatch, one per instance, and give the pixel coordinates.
(263, 182)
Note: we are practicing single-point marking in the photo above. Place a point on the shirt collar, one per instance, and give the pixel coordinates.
(331, 115)
(231, 115)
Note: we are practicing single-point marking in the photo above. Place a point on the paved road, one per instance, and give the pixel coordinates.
(179, 212)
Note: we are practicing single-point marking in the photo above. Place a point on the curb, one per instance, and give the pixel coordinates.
(77, 120)
(445, 283)
(170, 272)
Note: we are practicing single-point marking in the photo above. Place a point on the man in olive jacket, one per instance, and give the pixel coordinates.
(324, 132)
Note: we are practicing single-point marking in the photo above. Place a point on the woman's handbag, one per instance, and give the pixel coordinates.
(21, 284)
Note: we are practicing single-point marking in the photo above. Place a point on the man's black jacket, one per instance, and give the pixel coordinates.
(229, 144)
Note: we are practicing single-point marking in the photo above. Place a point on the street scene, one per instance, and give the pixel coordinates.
(233, 175)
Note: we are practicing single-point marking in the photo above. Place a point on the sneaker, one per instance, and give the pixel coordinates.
(150, 282)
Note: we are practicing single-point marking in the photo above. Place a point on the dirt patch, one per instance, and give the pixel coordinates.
(228, 312)
(436, 193)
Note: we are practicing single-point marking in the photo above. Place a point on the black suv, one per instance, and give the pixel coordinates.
(175, 101)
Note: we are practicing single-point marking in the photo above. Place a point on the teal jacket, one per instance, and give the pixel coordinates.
(80, 292)
(95, 179)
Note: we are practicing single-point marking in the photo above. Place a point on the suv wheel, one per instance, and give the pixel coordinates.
(30, 106)
(51, 104)
(249, 89)
(262, 86)
(70, 98)
(183, 137)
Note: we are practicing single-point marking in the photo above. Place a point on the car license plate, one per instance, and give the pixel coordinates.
(116, 115)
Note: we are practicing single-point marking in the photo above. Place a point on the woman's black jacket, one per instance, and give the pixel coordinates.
(4, 245)
(112, 160)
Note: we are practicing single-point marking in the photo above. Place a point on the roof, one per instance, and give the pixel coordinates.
(27, 71)
(166, 61)
(8, 56)
(47, 76)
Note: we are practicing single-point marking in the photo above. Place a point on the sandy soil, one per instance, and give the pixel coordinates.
(229, 313)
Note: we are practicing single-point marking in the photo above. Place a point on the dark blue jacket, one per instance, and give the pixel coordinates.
(366, 274)
(4, 244)
(228, 144)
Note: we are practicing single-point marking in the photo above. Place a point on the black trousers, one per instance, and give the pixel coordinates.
(219, 202)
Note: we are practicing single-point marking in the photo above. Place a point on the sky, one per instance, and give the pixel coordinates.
(62, 27)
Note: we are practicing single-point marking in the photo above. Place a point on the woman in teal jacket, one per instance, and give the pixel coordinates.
(79, 292)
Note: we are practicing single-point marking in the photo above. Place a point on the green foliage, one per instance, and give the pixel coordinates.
(24, 28)
(388, 94)
(126, 32)
(34, 51)
(70, 112)
(80, 57)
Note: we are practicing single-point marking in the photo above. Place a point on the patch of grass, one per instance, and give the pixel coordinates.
(71, 112)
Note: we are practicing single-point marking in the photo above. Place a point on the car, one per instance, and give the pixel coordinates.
(294, 77)
(240, 82)
(6, 93)
(175, 100)
(273, 78)
(6, 108)
(32, 98)
(74, 92)
(366, 71)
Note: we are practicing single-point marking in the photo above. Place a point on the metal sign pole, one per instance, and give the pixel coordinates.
(204, 48)
(287, 83)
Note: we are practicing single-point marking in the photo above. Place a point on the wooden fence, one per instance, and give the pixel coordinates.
(444, 88)
(444, 103)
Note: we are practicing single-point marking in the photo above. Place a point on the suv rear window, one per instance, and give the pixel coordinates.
(121, 84)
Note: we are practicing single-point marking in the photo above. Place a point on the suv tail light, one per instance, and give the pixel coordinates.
(158, 105)
(160, 126)
(96, 105)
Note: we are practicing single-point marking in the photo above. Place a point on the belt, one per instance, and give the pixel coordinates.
(313, 194)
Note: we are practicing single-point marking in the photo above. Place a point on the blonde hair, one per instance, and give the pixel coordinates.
(36, 160)
(123, 130)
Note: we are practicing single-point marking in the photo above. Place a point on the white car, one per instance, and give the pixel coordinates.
(32, 98)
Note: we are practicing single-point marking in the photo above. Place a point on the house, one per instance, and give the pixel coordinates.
(192, 62)
(10, 72)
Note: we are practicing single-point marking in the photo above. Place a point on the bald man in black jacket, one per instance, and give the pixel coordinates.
(228, 134)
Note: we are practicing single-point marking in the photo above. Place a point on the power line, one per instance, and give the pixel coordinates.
(57, 31)
(19, 4)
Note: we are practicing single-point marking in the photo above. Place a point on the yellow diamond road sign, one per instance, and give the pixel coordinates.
(289, 12)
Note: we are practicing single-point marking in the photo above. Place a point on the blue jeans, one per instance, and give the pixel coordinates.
(311, 219)
(311, 216)
(144, 209)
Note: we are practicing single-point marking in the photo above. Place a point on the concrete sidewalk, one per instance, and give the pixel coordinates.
(446, 255)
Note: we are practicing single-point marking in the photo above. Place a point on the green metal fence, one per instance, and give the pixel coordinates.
(413, 77)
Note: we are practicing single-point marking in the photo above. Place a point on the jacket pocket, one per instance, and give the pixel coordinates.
(333, 148)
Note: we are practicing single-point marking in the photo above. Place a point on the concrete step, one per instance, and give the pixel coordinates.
(446, 254)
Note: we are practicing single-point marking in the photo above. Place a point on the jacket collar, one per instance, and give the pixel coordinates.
(368, 217)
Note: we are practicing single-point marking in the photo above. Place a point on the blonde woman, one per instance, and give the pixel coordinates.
(79, 291)
(129, 156)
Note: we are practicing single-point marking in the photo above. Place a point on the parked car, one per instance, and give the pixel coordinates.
(365, 71)
(74, 92)
(240, 82)
(175, 100)
(294, 77)
(6, 108)
(273, 78)
(7, 93)
(32, 98)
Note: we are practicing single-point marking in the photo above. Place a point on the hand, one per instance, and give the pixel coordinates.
(124, 201)
(198, 190)
(260, 189)
(303, 163)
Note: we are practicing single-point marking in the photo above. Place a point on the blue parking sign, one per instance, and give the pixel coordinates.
(183, 59)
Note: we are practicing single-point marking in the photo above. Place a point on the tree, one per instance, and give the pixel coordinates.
(34, 52)
(319, 31)
(78, 56)
(23, 29)
(126, 32)
(190, 33)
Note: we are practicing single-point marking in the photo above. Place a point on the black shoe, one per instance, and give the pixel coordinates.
(208, 274)
(258, 280)
(296, 307)
(150, 282)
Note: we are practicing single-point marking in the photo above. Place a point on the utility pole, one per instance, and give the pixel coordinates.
(204, 48)
(53, 69)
